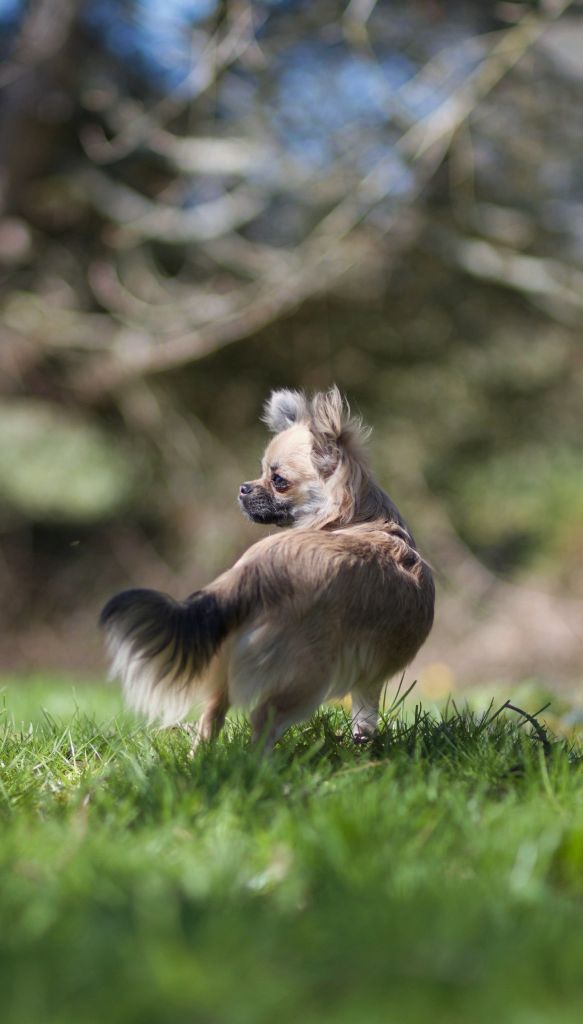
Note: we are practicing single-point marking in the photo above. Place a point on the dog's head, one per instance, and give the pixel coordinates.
(313, 467)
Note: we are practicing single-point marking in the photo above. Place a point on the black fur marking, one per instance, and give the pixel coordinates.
(187, 632)
(262, 507)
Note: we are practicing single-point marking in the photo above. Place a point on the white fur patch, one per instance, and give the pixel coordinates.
(162, 700)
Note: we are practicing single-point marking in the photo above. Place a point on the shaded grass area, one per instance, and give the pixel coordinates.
(435, 875)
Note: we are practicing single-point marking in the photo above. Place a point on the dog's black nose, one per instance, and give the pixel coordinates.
(245, 488)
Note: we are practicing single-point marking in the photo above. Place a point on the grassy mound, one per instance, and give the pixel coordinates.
(435, 875)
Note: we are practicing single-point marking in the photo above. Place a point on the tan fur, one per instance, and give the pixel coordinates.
(338, 604)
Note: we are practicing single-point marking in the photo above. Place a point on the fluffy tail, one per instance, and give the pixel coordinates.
(158, 647)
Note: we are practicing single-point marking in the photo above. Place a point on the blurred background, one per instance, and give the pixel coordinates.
(200, 201)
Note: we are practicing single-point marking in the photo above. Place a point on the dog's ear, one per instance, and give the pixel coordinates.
(330, 414)
(284, 408)
(334, 428)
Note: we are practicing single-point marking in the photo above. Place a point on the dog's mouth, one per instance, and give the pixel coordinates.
(262, 508)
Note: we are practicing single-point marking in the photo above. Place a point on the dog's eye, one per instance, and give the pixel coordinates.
(278, 482)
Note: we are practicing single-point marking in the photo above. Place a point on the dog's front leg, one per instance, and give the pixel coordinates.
(365, 712)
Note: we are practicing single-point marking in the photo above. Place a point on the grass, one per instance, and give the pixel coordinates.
(437, 875)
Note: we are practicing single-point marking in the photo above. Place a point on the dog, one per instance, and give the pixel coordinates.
(336, 601)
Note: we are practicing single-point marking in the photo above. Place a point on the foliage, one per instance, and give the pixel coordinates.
(541, 495)
(202, 200)
(436, 875)
(53, 465)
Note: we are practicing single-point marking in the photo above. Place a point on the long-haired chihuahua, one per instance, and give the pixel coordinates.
(337, 602)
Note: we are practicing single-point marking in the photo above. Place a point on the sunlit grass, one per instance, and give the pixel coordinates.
(435, 875)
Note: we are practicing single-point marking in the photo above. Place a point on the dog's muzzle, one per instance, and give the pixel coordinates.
(262, 507)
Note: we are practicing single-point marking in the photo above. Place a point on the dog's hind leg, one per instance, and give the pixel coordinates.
(275, 714)
(365, 711)
(211, 721)
(213, 716)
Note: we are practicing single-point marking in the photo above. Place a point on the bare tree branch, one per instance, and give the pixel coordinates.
(36, 74)
(533, 276)
(220, 52)
(141, 218)
(320, 259)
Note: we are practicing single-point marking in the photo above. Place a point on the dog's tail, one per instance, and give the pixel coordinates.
(159, 647)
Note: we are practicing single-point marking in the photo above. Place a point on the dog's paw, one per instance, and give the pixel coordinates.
(362, 733)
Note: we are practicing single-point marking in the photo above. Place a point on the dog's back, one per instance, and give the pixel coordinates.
(348, 608)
